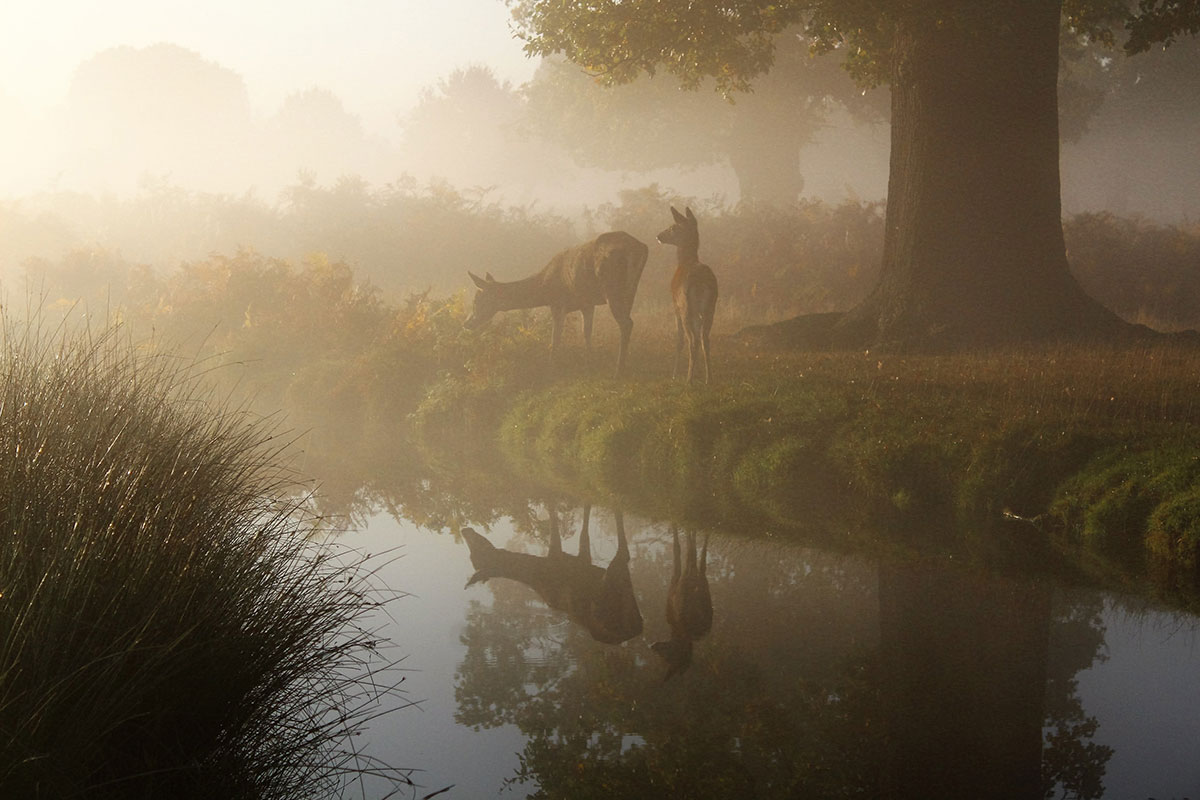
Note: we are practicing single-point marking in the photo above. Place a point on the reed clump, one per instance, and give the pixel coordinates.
(168, 625)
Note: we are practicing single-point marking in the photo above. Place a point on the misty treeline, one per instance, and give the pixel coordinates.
(404, 238)
(150, 256)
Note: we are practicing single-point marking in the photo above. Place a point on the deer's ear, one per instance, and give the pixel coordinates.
(691, 217)
(488, 277)
(475, 279)
(678, 217)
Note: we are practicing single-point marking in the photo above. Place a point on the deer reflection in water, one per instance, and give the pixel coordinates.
(599, 599)
(689, 605)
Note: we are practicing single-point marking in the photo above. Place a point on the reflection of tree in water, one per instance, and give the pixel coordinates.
(794, 693)
(766, 715)
(1072, 765)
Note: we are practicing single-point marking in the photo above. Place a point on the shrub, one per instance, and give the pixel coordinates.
(168, 626)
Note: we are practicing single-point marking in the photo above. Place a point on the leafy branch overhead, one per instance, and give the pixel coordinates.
(734, 42)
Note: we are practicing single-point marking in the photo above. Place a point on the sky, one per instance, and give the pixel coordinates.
(376, 55)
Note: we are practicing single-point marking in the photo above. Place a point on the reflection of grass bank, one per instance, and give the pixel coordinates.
(166, 628)
(1097, 447)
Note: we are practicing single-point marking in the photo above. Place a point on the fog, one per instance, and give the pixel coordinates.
(163, 117)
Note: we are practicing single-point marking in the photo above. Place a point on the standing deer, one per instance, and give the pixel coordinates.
(689, 605)
(694, 290)
(604, 270)
(599, 599)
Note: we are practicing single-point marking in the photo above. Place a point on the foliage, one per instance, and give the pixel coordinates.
(168, 625)
(772, 262)
(401, 237)
(1161, 21)
(1143, 271)
(734, 45)
(650, 123)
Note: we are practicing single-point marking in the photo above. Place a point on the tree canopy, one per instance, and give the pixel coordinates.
(734, 43)
(650, 123)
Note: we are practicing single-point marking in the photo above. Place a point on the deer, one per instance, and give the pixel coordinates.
(689, 606)
(600, 599)
(694, 292)
(604, 270)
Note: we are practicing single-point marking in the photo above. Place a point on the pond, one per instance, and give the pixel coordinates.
(818, 673)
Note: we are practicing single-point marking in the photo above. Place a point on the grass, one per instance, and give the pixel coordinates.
(1097, 444)
(168, 625)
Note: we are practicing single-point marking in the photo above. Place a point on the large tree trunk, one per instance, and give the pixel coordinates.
(764, 149)
(973, 250)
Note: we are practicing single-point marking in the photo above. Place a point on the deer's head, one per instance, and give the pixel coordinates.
(487, 301)
(684, 233)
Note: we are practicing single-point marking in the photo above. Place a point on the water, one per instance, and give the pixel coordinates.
(823, 675)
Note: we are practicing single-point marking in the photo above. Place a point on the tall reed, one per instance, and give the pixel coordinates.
(168, 625)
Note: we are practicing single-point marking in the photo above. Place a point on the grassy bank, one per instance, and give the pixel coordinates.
(1087, 453)
(167, 626)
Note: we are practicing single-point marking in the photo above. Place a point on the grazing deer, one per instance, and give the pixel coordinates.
(694, 290)
(689, 606)
(599, 599)
(604, 270)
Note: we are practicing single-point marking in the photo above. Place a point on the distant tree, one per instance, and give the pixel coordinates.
(160, 110)
(312, 132)
(974, 250)
(466, 130)
(650, 123)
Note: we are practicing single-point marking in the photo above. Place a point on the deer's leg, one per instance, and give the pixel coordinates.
(558, 315)
(555, 536)
(585, 539)
(625, 323)
(705, 327)
(622, 543)
(678, 343)
(675, 549)
(588, 313)
(693, 344)
(690, 567)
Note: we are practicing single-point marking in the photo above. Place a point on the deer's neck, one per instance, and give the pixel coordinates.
(687, 256)
(526, 293)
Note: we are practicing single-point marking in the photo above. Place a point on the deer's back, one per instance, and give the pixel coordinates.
(579, 274)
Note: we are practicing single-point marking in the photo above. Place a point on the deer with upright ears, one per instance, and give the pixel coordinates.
(694, 290)
(689, 605)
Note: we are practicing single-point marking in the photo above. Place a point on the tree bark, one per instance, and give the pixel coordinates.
(973, 249)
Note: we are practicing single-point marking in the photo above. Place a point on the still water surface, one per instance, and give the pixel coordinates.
(823, 674)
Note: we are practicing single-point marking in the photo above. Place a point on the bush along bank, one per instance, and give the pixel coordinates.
(168, 626)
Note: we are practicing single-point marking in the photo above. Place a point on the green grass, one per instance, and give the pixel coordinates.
(168, 625)
(1097, 444)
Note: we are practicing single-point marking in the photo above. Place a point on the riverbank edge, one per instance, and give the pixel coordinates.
(1118, 503)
